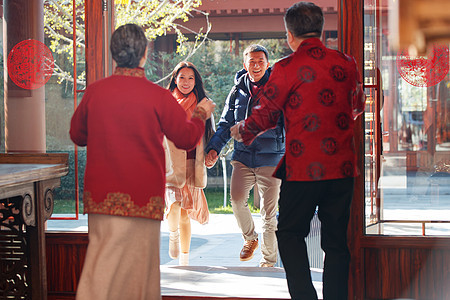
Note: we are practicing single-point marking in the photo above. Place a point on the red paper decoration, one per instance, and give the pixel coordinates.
(421, 71)
(30, 64)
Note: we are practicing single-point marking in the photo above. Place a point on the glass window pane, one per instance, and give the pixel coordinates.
(408, 149)
(59, 96)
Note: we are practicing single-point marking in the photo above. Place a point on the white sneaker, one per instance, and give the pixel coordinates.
(174, 244)
(184, 259)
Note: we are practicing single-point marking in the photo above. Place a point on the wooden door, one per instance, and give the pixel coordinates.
(399, 229)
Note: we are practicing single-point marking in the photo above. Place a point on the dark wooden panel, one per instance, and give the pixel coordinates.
(394, 273)
(405, 242)
(371, 260)
(61, 296)
(65, 257)
(405, 268)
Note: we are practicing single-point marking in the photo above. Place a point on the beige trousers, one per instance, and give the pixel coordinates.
(243, 179)
(122, 259)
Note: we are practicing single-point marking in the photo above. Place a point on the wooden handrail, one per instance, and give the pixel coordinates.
(34, 158)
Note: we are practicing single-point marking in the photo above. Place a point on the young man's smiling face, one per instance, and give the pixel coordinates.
(256, 65)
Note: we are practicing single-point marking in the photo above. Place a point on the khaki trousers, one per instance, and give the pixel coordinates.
(122, 259)
(243, 180)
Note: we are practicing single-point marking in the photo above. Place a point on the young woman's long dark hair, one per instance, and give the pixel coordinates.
(198, 90)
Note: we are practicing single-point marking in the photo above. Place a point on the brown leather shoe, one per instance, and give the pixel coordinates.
(248, 249)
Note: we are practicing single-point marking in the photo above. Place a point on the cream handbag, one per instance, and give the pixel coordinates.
(175, 164)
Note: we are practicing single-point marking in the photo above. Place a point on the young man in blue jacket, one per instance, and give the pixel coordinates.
(253, 164)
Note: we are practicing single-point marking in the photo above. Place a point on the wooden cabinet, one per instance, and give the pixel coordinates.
(26, 202)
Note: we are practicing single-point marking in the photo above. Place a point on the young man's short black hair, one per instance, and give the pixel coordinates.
(256, 48)
(304, 19)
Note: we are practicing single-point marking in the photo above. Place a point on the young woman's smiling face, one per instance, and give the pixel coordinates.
(185, 80)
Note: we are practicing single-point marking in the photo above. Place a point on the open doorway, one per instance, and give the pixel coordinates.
(94, 70)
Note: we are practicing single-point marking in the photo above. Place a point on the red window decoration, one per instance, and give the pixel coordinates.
(422, 71)
(30, 64)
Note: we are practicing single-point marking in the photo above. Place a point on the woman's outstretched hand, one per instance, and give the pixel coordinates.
(207, 105)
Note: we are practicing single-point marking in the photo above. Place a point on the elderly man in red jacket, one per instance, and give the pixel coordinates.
(319, 92)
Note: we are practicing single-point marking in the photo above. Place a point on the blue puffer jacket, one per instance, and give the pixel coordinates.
(268, 148)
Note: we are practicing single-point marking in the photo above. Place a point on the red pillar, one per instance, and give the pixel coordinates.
(236, 44)
(24, 109)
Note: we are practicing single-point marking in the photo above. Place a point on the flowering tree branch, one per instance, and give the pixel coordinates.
(157, 17)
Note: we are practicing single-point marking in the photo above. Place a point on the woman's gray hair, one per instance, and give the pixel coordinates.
(128, 44)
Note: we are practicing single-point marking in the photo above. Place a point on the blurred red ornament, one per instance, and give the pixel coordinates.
(30, 64)
(421, 71)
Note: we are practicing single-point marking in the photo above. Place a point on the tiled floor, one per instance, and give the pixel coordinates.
(214, 268)
(244, 282)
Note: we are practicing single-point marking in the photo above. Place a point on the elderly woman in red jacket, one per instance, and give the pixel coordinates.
(122, 120)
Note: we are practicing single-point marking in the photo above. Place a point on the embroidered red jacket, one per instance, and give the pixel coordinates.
(122, 120)
(319, 92)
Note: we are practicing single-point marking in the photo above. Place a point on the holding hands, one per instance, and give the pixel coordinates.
(234, 131)
(211, 158)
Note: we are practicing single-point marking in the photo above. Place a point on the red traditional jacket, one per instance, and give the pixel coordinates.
(122, 120)
(319, 92)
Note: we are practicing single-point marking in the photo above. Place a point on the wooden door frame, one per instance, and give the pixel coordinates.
(385, 267)
(351, 42)
(350, 36)
(382, 248)
(94, 44)
(99, 26)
